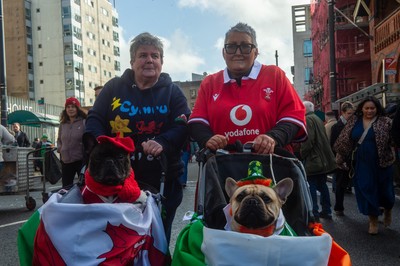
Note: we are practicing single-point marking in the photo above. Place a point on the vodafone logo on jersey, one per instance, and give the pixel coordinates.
(241, 114)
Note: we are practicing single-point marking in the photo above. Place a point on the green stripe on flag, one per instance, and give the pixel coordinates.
(188, 246)
(26, 238)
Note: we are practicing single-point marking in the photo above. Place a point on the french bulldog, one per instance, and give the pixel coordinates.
(255, 208)
(109, 173)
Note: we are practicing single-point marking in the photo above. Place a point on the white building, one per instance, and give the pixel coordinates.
(302, 48)
(56, 49)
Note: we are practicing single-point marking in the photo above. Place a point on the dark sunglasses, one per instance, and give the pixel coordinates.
(245, 48)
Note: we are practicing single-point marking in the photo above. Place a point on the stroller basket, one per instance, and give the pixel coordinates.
(211, 196)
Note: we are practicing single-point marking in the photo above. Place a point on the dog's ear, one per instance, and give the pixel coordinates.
(89, 142)
(284, 188)
(230, 186)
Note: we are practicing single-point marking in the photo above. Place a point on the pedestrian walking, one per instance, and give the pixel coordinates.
(319, 160)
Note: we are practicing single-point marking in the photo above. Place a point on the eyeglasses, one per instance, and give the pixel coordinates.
(245, 48)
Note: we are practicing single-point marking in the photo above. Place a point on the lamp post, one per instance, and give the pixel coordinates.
(3, 87)
(332, 53)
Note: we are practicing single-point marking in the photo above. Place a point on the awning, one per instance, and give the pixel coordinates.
(32, 119)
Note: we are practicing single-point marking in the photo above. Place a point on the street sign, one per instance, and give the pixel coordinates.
(41, 101)
(390, 66)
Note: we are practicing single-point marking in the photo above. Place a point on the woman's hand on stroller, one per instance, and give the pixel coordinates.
(217, 142)
(264, 144)
(152, 147)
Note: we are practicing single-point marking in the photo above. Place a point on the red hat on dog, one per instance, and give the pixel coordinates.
(124, 143)
(72, 100)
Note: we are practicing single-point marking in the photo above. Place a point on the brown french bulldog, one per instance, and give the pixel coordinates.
(255, 208)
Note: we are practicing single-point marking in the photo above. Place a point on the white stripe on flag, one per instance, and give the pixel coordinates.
(231, 248)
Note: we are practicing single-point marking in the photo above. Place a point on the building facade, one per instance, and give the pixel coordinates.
(190, 88)
(352, 53)
(302, 48)
(367, 48)
(384, 26)
(59, 49)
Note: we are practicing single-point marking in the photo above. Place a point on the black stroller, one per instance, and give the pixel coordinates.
(209, 220)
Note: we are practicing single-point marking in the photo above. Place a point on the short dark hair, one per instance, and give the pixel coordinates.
(243, 27)
(146, 38)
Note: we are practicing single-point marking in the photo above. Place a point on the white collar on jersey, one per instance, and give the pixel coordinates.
(255, 70)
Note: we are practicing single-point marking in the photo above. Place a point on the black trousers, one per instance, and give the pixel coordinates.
(342, 182)
(69, 170)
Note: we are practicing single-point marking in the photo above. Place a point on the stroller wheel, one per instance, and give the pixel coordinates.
(30, 203)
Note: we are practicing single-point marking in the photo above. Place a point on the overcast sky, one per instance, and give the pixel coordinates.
(193, 31)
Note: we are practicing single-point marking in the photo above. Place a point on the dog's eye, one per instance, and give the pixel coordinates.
(265, 198)
(241, 196)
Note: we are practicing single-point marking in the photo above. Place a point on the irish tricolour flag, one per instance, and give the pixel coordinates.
(93, 234)
(199, 245)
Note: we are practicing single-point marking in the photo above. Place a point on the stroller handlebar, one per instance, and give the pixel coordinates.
(205, 153)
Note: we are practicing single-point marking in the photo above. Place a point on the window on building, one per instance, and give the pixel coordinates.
(91, 35)
(29, 47)
(37, 10)
(116, 51)
(90, 19)
(307, 48)
(193, 94)
(39, 28)
(78, 18)
(40, 63)
(117, 66)
(115, 21)
(39, 46)
(115, 36)
(41, 81)
(28, 31)
(104, 11)
(359, 44)
(308, 75)
(27, 13)
(66, 12)
(67, 30)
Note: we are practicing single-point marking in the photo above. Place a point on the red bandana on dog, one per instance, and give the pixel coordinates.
(128, 192)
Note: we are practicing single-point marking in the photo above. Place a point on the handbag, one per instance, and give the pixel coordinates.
(353, 153)
(52, 167)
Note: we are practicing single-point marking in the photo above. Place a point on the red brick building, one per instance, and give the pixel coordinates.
(366, 33)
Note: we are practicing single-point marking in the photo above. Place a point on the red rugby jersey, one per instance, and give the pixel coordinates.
(264, 99)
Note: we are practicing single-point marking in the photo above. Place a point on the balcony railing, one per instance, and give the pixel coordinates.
(353, 51)
(387, 32)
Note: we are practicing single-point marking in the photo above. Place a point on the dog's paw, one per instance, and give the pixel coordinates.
(142, 200)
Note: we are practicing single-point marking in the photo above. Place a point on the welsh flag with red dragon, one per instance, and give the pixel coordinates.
(93, 234)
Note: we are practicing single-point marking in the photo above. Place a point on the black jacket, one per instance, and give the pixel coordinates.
(22, 139)
(395, 131)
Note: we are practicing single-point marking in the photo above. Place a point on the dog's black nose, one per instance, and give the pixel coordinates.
(252, 201)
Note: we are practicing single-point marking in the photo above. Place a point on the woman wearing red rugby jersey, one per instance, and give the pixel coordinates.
(247, 101)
